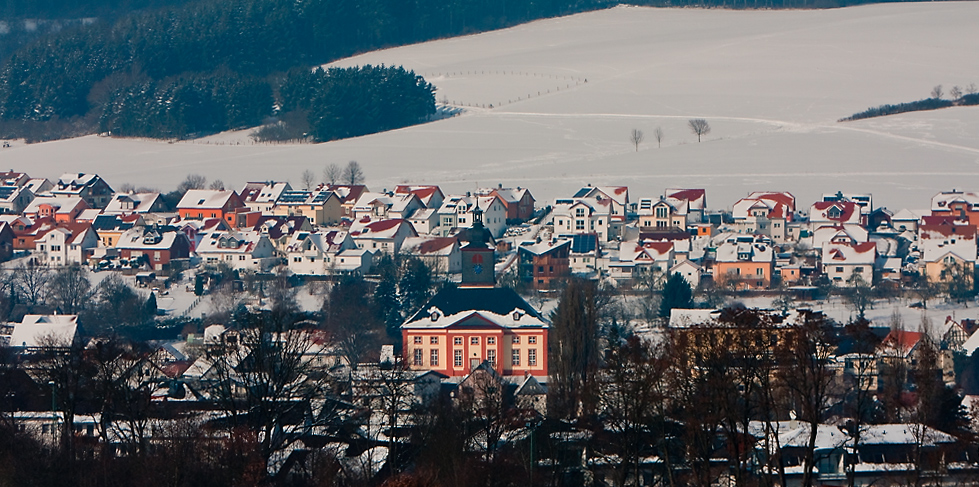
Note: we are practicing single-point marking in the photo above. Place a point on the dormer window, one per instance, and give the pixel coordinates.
(517, 315)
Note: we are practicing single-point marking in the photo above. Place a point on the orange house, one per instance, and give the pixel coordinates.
(460, 328)
(203, 204)
(744, 264)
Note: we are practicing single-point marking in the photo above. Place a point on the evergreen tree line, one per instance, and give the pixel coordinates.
(68, 75)
(933, 103)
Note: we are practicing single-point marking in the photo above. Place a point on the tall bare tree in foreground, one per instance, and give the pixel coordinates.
(32, 281)
(700, 127)
(636, 137)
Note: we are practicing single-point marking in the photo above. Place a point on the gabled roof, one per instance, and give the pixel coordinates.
(263, 192)
(456, 304)
(44, 330)
(546, 247)
(348, 194)
(378, 229)
(132, 203)
(861, 254)
(206, 199)
(902, 341)
(696, 198)
(530, 387)
(429, 245)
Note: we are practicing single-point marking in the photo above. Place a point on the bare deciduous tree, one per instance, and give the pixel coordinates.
(658, 135)
(70, 288)
(193, 181)
(332, 173)
(353, 173)
(636, 137)
(700, 127)
(217, 185)
(972, 89)
(308, 179)
(955, 92)
(32, 282)
(937, 91)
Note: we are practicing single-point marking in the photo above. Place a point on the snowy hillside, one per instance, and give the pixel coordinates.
(771, 83)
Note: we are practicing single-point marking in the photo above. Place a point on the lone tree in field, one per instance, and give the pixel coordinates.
(658, 135)
(937, 92)
(353, 174)
(636, 137)
(700, 127)
(955, 92)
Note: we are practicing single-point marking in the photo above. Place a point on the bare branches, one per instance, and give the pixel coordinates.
(658, 135)
(636, 137)
(700, 127)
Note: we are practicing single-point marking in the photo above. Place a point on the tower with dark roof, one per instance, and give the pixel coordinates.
(478, 254)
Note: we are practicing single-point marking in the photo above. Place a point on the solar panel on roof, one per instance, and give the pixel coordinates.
(6, 191)
(294, 197)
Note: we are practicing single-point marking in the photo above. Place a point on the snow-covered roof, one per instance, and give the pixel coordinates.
(745, 252)
(844, 254)
(44, 331)
(205, 199)
(131, 203)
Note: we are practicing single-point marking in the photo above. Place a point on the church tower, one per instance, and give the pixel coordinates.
(478, 254)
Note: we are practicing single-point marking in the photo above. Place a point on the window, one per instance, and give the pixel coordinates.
(579, 212)
(516, 339)
(474, 340)
(491, 340)
(532, 340)
(417, 340)
(858, 269)
(433, 358)
(579, 225)
(417, 358)
(661, 212)
(457, 358)
(491, 357)
(839, 269)
(515, 358)
(457, 341)
(532, 357)
(434, 340)
(760, 271)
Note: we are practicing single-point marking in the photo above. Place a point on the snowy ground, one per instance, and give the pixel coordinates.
(771, 83)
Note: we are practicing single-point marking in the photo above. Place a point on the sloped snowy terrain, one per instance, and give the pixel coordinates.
(771, 83)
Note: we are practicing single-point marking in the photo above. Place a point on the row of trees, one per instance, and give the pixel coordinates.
(698, 126)
(111, 306)
(698, 391)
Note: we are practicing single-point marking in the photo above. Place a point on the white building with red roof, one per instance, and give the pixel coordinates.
(246, 250)
(441, 254)
(71, 243)
(947, 249)
(837, 234)
(642, 261)
(765, 213)
(381, 236)
(695, 200)
(847, 264)
(430, 195)
(835, 213)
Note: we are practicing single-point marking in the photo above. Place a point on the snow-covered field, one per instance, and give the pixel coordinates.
(565, 93)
